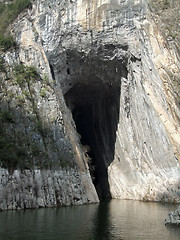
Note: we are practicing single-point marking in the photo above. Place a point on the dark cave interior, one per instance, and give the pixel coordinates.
(95, 110)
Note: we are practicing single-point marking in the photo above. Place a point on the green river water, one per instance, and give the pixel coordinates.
(116, 219)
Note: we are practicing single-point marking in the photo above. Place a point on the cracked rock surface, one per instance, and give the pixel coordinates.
(173, 218)
(109, 106)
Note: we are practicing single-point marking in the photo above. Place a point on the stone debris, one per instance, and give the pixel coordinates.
(173, 218)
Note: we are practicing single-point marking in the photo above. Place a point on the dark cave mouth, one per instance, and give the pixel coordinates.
(95, 110)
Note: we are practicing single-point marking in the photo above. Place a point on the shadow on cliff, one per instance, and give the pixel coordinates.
(27, 141)
(171, 193)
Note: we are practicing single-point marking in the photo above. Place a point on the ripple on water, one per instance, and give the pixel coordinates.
(113, 220)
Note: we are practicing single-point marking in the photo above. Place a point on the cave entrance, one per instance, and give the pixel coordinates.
(95, 110)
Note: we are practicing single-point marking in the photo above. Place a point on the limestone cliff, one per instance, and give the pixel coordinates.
(99, 116)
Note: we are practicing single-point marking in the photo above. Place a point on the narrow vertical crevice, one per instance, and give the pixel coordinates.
(52, 71)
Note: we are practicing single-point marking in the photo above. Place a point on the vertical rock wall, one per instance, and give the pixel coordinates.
(84, 44)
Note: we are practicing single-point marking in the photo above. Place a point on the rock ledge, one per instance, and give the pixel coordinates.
(174, 218)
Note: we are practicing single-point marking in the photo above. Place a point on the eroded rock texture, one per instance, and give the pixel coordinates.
(106, 61)
(173, 218)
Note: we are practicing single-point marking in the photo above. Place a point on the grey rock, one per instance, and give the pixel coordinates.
(173, 218)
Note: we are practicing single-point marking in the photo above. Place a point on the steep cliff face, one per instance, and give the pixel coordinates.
(108, 115)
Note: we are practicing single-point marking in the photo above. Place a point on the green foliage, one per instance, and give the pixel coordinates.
(43, 93)
(6, 116)
(2, 7)
(20, 99)
(8, 157)
(45, 79)
(8, 13)
(2, 67)
(6, 42)
(40, 126)
(12, 155)
(26, 94)
(35, 150)
(24, 74)
(41, 129)
(64, 163)
(10, 95)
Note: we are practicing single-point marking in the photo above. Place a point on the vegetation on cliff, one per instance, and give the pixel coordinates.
(8, 13)
(16, 150)
(26, 134)
(167, 13)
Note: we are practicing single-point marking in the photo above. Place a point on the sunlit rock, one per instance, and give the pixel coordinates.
(110, 108)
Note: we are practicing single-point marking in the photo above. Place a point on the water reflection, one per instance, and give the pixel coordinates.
(113, 220)
(131, 220)
(102, 223)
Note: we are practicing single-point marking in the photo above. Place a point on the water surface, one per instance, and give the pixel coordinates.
(113, 220)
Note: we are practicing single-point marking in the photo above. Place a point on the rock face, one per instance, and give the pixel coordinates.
(174, 218)
(109, 105)
(44, 188)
